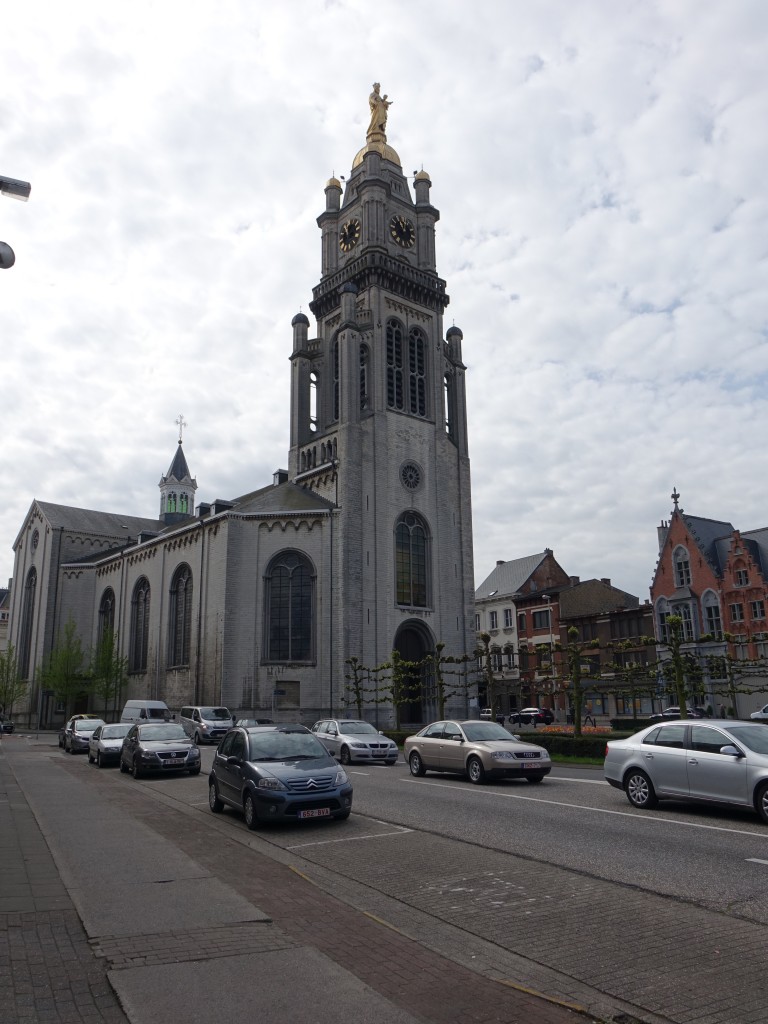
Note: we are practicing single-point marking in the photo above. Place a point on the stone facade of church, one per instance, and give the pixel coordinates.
(363, 546)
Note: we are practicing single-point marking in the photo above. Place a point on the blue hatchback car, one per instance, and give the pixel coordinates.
(277, 773)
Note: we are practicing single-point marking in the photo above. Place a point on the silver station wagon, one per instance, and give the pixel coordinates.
(692, 760)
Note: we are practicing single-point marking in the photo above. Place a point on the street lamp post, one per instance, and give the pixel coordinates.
(16, 190)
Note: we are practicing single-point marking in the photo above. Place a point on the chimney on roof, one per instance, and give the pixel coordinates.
(574, 581)
(499, 561)
(606, 581)
(280, 476)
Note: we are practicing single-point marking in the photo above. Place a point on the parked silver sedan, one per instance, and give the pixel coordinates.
(681, 760)
(105, 743)
(351, 739)
(479, 750)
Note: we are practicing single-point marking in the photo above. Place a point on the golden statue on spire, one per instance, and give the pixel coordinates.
(379, 107)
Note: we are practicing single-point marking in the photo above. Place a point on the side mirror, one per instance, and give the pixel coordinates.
(731, 750)
(233, 760)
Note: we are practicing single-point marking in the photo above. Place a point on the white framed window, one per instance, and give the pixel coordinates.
(682, 568)
(737, 612)
(494, 618)
(742, 578)
(507, 618)
(757, 609)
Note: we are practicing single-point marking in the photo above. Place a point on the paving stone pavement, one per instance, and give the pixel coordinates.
(51, 972)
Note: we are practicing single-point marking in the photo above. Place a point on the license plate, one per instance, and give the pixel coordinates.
(531, 764)
(173, 762)
(316, 812)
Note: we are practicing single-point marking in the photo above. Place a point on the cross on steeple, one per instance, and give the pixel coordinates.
(675, 496)
(180, 424)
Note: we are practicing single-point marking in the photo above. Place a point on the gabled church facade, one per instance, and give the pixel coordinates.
(363, 546)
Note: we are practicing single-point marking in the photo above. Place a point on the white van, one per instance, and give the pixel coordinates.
(146, 711)
(206, 724)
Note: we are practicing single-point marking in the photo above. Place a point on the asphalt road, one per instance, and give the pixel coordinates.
(562, 886)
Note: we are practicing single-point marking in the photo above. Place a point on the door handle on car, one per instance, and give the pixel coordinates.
(693, 760)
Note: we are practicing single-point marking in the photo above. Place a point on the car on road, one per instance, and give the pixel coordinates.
(7, 725)
(674, 712)
(156, 748)
(479, 750)
(532, 716)
(78, 737)
(206, 724)
(761, 715)
(105, 743)
(277, 773)
(487, 714)
(692, 760)
(248, 723)
(67, 727)
(351, 739)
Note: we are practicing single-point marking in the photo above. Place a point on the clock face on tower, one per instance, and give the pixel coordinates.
(349, 235)
(402, 231)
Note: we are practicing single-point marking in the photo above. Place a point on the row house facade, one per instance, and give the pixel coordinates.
(715, 578)
(527, 606)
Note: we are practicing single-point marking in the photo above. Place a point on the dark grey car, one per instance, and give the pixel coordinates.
(277, 773)
(696, 760)
(156, 748)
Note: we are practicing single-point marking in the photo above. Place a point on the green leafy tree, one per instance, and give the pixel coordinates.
(12, 686)
(109, 669)
(356, 688)
(65, 671)
(484, 653)
(678, 664)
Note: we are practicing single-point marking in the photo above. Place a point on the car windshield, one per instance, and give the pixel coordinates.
(284, 746)
(115, 732)
(478, 732)
(215, 714)
(357, 728)
(169, 731)
(86, 724)
(754, 737)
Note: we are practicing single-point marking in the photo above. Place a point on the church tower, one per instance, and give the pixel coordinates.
(378, 419)
(177, 487)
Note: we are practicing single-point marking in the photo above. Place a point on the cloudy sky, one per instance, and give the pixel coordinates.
(600, 168)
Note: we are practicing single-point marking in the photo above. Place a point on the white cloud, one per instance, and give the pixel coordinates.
(600, 171)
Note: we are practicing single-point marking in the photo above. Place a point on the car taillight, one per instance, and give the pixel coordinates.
(606, 749)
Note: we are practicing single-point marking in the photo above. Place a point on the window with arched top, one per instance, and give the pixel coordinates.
(180, 617)
(289, 608)
(139, 646)
(106, 613)
(171, 504)
(417, 372)
(449, 400)
(27, 618)
(184, 503)
(682, 566)
(411, 561)
(713, 622)
(365, 384)
(662, 614)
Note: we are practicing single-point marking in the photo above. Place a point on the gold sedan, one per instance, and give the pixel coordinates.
(479, 750)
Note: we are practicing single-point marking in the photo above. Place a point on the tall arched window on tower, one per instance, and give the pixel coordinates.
(313, 382)
(184, 503)
(171, 506)
(682, 567)
(289, 608)
(139, 626)
(27, 618)
(394, 365)
(417, 372)
(336, 380)
(106, 614)
(449, 398)
(365, 397)
(180, 617)
(411, 560)
(712, 621)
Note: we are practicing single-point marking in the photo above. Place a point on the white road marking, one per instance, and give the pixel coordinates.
(594, 810)
(350, 839)
(756, 860)
(586, 782)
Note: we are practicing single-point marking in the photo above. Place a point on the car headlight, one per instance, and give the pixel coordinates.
(357, 743)
(270, 783)
(502, 755)
(341, 777)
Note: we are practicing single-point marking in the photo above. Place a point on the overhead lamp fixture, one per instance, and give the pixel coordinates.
(15, 189)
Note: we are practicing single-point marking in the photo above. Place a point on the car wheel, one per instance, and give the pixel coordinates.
(251, 815)
(534, 778)
(91, 758)
(123, 766)
(196, 738)
(761, 802)
(639, 790)
(344, 756)
(416, 764)
(135, 770)
(475, 771)
(214, 803)
(99, 760)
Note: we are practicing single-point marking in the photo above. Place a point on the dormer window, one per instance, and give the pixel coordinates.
(742, 578)
(682, 568)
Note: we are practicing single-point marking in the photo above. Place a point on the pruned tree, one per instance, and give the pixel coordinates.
(109, 668)
(65, 671)
(12, 686)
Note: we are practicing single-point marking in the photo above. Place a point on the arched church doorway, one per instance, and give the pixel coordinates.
(414, 642)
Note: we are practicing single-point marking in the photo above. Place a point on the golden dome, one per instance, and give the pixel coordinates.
(375, 146)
